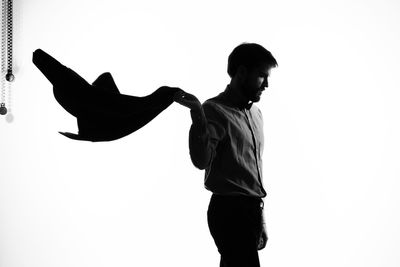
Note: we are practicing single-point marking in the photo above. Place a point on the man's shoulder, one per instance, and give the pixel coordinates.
(213, 103)
(219, 104)
(216, 100)
(215, 109)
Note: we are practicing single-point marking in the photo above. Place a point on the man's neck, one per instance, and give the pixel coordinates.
(234, 96)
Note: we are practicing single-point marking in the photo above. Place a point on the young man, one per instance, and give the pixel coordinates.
(226, 139)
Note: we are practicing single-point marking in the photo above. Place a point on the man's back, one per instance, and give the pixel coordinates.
(236, 143)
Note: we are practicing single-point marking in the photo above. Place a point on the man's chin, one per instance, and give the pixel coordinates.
(256, 98)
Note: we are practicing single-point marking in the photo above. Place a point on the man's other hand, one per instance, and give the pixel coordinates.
(263, 238)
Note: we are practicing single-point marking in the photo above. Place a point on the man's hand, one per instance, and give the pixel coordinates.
(187, 100)
(263, 238)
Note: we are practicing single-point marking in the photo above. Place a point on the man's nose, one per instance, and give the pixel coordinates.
(265, 84)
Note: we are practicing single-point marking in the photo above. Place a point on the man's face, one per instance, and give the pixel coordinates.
(255, 82)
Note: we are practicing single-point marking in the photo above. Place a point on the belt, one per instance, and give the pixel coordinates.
(240, 199)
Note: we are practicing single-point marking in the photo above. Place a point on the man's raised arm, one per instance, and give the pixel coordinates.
(202, 135)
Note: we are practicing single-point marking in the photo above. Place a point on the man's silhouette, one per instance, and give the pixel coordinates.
(226, 139)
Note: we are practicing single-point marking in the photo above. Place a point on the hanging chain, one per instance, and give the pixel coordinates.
(10, 76)
(6, 52)
(3, 111)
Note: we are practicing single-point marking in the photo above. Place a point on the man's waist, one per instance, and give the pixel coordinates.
(238, 199)
(222, 184)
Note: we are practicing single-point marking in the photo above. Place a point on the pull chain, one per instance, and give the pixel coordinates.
(6, 52)
(3, 109)
(9, 76)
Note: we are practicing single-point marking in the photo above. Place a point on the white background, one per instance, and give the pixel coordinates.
(331, 159)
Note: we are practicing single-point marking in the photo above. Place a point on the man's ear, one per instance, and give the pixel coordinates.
(241, 73)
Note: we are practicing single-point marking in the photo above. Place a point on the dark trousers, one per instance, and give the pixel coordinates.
(235, 224)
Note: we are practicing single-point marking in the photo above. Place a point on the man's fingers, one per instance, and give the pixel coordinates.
(188, 100)
(179, 96)
(263, 239)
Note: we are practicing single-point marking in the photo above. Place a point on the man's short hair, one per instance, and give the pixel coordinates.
(249, 55)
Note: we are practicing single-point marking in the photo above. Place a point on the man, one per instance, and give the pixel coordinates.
(226, 139)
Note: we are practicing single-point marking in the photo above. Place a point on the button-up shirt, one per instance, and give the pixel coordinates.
(229, 146)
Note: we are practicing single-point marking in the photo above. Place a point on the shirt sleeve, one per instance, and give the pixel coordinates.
(204, 135)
